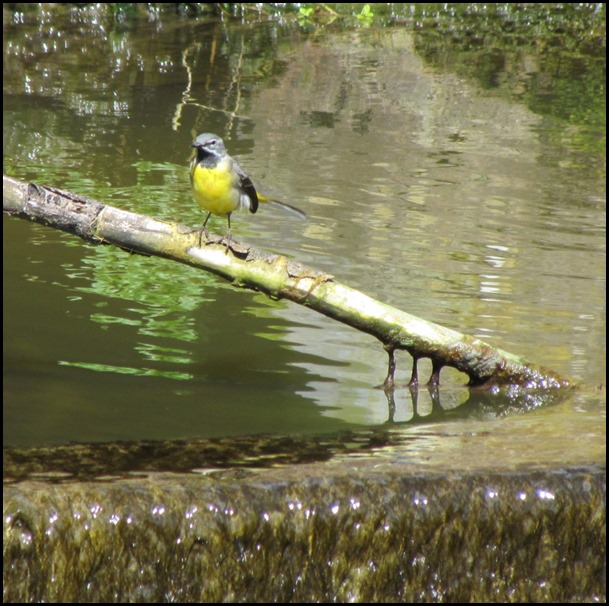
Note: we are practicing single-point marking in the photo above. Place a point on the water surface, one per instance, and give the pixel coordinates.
(458, 179)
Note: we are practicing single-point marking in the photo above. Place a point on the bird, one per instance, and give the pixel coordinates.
(220, 186)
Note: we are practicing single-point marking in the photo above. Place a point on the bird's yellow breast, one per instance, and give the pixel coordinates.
(214, 188)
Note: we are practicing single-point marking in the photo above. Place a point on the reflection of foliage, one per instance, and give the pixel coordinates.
(575, 95)
(366, 13)
(556, 50)
(167, 298)
(161, 306)
(551, 55)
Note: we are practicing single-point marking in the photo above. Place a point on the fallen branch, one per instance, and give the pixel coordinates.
(279, 278)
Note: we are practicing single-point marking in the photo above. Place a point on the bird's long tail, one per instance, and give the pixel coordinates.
(286, 207)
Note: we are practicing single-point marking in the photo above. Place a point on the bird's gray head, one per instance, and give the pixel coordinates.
(209, 144)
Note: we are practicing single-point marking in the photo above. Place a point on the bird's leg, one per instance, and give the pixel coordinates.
(228, 236)
(203, 229)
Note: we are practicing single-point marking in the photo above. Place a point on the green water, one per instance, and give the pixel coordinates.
(451, 162)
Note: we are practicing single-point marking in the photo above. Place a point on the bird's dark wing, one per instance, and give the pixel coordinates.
(248, 187)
